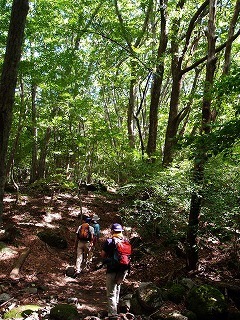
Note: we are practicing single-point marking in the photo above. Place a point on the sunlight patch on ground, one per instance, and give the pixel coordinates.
(50, 217)
(7, 253)
(214, 240)
(44, 224)
(8, 199)
(65, 195)
(74, 211)
(31, 277)
(23, 218)
(85, 307)
(21, 201)
(47, 199)
(60, 282)
(26, 219)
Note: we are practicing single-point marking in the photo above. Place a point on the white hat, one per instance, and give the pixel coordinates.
(95, 217)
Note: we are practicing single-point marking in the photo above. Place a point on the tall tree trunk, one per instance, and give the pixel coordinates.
(133, 82)
(201, 158)
(175, 92)
(33, 173)
(43, 155)
(186, 111)
(157, 83)
(232, 26)
(174, 117)
(172, 126)
(8, 83)
(131, 108)
(193, 220)
(21, 119)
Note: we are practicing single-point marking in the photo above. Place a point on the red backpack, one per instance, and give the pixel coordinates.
(122, 253)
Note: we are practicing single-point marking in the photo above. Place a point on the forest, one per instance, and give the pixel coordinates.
(135, 106)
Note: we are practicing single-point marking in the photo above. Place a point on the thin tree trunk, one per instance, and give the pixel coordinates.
(22, 116)
(43, 154)
(189, 104)
(8, 83)
(108, 118)
(131, 108)
(172, 126)
(33, 174)
(232, 26)
(157, 83)
(133, 82)
(139, 111)
(175, 92)
(89, 161)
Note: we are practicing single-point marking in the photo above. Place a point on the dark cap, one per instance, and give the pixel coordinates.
(117, 227)
(86, 219)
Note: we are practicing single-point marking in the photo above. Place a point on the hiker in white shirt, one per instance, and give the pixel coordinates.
(83, 245)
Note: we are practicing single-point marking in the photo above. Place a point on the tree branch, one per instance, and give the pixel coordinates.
(218, 49)
(145, 23)
(191, 24)
(131, 53)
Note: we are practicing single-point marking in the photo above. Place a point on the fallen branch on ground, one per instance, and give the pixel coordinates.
(14, 274)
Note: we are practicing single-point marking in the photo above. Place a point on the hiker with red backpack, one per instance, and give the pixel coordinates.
(83, 245)
(116, 253)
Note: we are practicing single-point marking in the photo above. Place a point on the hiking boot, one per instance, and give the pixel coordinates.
(99, 266)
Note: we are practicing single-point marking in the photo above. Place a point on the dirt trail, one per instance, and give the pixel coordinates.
(42, 277)
(45, 267)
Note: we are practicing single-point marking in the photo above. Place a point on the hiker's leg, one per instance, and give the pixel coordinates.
(111, 293)
(85, 249)
(118, 288)
(88, 258)
(79, 259)
(120, 276)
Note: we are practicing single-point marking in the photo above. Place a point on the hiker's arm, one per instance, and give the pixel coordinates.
(92, 235)
(75, 248)
(76, 240)
(75, 243)
(91, 243)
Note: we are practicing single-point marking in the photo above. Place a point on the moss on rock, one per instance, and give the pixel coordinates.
(176, 293)
(207, 303)
(64, 312)
(21, 312)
